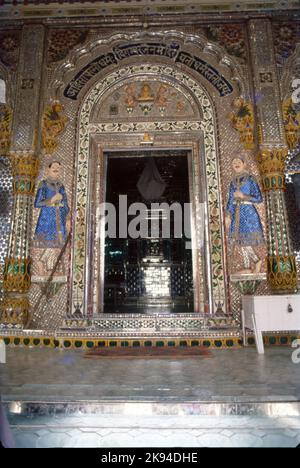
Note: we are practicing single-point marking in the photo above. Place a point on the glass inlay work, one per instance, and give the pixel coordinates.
(204, 127)
(6, 204)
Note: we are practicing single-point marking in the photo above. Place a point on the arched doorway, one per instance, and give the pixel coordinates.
(194, 132)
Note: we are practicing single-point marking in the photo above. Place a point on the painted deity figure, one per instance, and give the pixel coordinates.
(146, 93)
(53, 223)
(243, 223)
(130, 99)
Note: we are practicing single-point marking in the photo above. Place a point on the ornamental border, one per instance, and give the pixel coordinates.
(210, 341)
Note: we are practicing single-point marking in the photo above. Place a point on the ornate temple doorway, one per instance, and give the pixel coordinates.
(132, 111)
(151, 273)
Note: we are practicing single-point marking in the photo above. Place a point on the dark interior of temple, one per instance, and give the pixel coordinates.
(148, 274)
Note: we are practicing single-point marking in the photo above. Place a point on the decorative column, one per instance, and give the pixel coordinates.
(281, 264)
(25, 165)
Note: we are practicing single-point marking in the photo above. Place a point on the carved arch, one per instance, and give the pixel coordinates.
(83, 54)
(205, 132)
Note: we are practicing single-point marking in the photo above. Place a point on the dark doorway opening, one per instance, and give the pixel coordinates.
(152, 274)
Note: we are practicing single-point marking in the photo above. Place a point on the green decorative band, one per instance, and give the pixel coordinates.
(228, 342)
(275, 340)
(88, 343)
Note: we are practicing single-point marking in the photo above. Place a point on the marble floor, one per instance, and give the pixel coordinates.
(234, 398)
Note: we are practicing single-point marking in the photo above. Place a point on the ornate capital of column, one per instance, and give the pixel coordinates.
(272, 163)
(15, 311)
(282, 273)
(25, 167)
(16, 276)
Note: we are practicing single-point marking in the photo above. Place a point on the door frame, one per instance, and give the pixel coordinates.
(148, 152)
(100, 146)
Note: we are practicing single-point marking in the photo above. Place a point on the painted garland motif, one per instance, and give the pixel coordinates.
(207, 127)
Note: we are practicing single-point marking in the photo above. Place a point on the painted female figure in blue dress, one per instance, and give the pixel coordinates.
(242, 220)
(53, 224)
